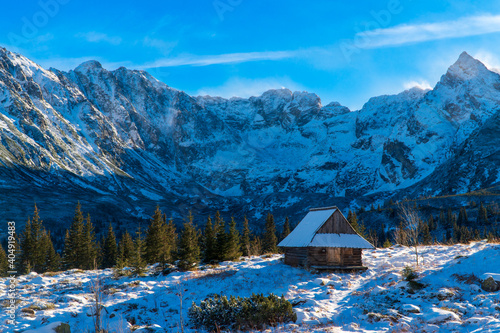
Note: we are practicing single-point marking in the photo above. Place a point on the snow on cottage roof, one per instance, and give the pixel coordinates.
(340, 240)
(305, 235)
(304, 232)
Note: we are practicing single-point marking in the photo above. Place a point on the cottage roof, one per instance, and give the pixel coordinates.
(340, 240)
(304, 234)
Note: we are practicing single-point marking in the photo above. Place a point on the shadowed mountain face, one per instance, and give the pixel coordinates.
(121, 142)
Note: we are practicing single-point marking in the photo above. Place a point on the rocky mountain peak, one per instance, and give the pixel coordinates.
(128, 137)
(90, 65)
(467, 68)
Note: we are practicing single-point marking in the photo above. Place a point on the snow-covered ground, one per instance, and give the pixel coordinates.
(377, 300)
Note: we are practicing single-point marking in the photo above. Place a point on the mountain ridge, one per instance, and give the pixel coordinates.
(135, 142)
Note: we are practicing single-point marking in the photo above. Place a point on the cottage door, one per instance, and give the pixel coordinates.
(333, 257)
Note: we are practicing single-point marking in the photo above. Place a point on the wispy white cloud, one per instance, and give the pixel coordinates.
(96, 37)
(417, 33)
(491, 61)
(206, 60)
(245, 87)
(422, 84)
(163, 46)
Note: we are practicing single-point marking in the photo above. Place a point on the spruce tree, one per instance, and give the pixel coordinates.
(477, 235)
(138, 261)
(73, 241)
(245, 238)
(209, 242)
(156, 246)
(89, 253)
(39, 239)
(52, 261)
(67, 258)
(126, 251)
(362, 230)
(286, 228)
(171, 242)
(451, 218)
(431, 223)
(442, 220)
(221, 237)
(462, 217)
(27, 246)
(33, 245)
(233, 242)
(256, 246)
(482, 215)
(269, 243)
(189, 249)
(353, 220)
(387, 243)
(109, 249)
(426, 235)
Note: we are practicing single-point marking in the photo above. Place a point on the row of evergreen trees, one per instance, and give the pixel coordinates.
(216, 241)
(161, 243)
(446, 228)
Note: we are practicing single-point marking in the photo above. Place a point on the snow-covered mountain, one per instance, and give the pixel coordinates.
(122, 141)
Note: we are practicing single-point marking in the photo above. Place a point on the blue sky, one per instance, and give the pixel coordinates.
(345, 51)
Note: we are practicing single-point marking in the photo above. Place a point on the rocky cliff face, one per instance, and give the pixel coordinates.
(121, 141)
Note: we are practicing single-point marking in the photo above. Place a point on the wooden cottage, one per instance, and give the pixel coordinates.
(324, 239)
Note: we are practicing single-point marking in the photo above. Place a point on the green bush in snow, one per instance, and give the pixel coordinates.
(255, 312)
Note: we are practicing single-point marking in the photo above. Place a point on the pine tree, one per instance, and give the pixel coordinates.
(462, 217)
(209, 242)
(451, 218)
(89, 253)
(27, 245)
(126, 251)
(189, 249)
(387, 243)
(156, 246)
(456, 233)
(33, 245)
(286, 228)
(138, 261)
(353, 220)
(109, 249)
(431, 223)
(269, 243)
(362, 230)
(171, 242)
(477, 235)
(73, 241)
(245, 238)
(442, 220)
(482, 215)
(52, 261)
(426, 235)
(233, 241)
(256, 246)
(41, 241)
(4, 263)
(221, 237)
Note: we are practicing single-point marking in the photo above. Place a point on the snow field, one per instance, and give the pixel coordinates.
(377, 300)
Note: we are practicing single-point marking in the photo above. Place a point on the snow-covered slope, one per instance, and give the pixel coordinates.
(125, 140)
(378, 300)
